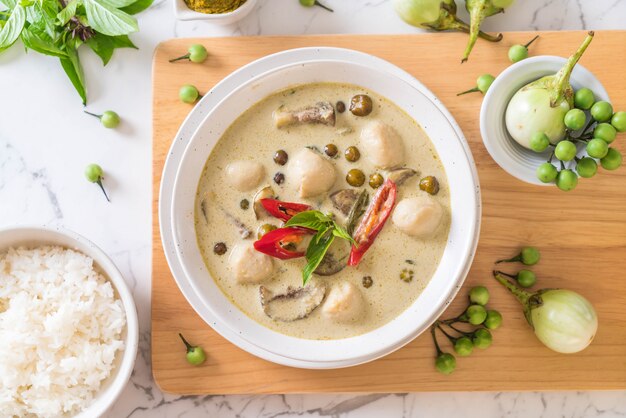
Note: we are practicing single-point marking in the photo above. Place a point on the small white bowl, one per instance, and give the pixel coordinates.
(510, 156)
(182, 12)
(124, 362)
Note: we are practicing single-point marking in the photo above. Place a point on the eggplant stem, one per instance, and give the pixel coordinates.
(467, 334)
(317, 3)
(475, 89)
(522, 296)
(93, 114)
(562, 77)
(531, 41)
(478, 13)
(507, 275)
(432, 331)
(188, 346)
(184, 57)
(450, 337)
(591, 122)
(510, 260)
(99, 182)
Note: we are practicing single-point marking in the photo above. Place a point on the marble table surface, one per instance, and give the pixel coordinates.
(46, 141)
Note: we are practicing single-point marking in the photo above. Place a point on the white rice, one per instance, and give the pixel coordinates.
(60, 328)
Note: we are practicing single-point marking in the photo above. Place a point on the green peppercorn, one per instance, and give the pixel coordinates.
(331, 150)
(352, 154)
(264, 229)
(367, 282)
(406, 275)
(220, 248)
(355, 177)
(376, 180)
(244, 204)
(279, 178)
(361, 105)
(281, 157)
(430, 185)
(340, 106)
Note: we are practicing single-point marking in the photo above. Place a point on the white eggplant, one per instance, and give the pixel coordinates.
(441, 15)
(541, 106)
(563, 320)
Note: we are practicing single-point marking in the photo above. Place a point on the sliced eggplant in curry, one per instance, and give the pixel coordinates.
(294, 304)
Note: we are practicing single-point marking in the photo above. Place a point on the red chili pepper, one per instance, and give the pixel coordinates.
(283, 210)
(282, 242)
(373, 221)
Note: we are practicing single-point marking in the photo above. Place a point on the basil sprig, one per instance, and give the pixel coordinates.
(327, 230)
(59, 27)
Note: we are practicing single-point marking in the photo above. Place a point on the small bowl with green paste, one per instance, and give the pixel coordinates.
(221, 12)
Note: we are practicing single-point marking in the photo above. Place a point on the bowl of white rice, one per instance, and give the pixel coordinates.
(68, 325)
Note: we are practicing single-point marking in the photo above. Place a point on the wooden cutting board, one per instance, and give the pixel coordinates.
(582, 234)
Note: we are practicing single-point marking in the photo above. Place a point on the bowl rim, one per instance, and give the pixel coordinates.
(334, 54)
(102, 401)
(498, 87)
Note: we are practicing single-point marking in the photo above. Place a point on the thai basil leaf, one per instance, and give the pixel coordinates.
(137, 7)
(339, 232)
(71, 66)
(118, 4)
(315, 254)
(104, 45)
(40, 42)
(106, 19)
(68, 12)
(9, 4)
(312, 219)
(12, 27)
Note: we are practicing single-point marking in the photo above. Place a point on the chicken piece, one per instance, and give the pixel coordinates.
(382, 145)
(322, 113)
(310, 173)
(248, 265)
(344, 303)
(244, 175)
(418, 217)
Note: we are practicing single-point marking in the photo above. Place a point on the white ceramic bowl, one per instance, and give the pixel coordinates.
(182, 12)
(510, 156)
(188, 266)
(124, 361)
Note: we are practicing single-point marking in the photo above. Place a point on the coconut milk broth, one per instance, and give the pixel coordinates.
(253, 136)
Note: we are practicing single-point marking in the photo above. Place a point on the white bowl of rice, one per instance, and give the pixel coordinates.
(68, 325)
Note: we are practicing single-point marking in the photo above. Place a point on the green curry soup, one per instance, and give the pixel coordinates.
(396, 268)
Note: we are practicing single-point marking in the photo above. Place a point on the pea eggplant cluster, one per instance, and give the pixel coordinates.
(477, 321)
